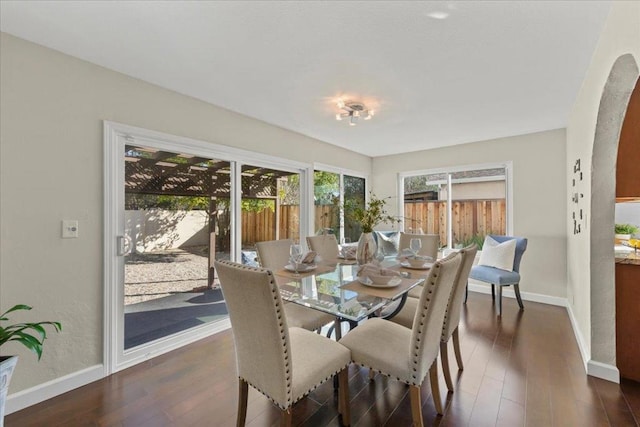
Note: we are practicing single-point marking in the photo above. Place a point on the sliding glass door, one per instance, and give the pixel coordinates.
(461, 205)
(173, 207)
(270, 206)
(332, 191)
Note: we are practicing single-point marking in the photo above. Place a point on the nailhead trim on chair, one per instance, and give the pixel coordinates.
(302, 396)
(418, 345)
(279, 308)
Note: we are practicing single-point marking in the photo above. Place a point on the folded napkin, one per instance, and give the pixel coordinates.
(376, 270)
(309, 257)
(407, 254)
(348, 252)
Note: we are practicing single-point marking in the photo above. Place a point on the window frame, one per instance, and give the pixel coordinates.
(508, 176)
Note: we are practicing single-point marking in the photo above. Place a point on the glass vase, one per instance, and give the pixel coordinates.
(367, 247)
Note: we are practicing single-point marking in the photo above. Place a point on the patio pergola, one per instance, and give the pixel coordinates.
(154, 172)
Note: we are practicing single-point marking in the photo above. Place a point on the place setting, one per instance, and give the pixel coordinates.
(372, 279)
(302, 263)
(410, 258)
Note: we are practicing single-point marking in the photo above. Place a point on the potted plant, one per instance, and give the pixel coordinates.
(368, 216)
(31, 335)
(624, 231)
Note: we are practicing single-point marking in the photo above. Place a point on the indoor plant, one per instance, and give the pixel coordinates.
(624, 231)
(31, 335)
(368, 216)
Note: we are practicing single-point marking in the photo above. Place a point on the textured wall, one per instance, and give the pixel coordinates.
(539, 187)
(51, 169)
(590, 275)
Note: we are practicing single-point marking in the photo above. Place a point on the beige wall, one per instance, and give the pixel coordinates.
(595, 313)
(539, 189)
(476, 190)
(52, 108)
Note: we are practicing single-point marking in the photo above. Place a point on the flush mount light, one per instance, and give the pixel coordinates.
(353, 111)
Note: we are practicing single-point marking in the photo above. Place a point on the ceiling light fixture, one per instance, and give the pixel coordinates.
(353, 110)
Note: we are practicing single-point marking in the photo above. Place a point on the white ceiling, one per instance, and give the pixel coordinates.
(490, 69)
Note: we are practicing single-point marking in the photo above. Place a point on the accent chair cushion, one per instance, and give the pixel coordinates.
(498, 255)
(495, 276)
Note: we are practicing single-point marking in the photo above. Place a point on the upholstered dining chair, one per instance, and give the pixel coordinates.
(452, 315)
(499, 277)
(408, 354)
(430, 243)
(325, 245)
(274, 255)
(282, 363)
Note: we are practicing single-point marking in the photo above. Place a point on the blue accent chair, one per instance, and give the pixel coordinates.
(500, 278)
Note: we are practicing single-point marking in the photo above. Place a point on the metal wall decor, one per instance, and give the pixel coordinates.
(577, 197)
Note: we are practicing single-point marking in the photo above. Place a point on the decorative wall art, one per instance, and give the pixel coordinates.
(577, 214)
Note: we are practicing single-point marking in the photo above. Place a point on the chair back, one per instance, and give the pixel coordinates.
(452, 315)
(521, 246)
(429, 317)
(429, 247)
(325, 245)
(259, 326)
(274, 254)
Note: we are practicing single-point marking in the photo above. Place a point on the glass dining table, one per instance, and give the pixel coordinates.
(334, 288)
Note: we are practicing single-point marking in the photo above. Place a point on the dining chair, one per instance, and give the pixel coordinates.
(408, 354)
(430, 243)
(283, 363)
(452, 315)
(500, 278)
(325, 245)
(274, 255)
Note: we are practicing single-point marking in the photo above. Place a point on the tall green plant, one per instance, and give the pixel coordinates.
(31, 335)
(369, 216)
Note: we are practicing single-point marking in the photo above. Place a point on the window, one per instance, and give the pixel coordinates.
(462, 205)
(332, 189)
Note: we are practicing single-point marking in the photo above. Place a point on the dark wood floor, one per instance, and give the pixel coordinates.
(522, 370)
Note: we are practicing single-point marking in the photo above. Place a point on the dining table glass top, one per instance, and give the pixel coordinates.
(335, 289)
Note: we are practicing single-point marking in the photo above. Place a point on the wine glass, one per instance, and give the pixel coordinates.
(295, 256)
(415, 245)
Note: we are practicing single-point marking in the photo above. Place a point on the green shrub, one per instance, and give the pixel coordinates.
(626, 229)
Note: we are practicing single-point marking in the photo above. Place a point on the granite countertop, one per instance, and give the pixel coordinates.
(626, 255)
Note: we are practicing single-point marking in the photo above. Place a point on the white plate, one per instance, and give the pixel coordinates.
(395, 281)
(302, 269)
(425, 266)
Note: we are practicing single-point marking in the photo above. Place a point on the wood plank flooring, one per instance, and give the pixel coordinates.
(523, 370)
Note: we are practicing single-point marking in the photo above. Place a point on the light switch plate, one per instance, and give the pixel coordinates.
(69, 229)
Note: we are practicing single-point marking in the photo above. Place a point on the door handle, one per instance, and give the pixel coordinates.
(124, 245)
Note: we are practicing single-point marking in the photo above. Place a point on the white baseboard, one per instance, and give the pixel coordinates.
(604, 371)
(508, 292)
(44, 391)
(585, 351)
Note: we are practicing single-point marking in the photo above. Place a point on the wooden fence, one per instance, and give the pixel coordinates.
(470, 217)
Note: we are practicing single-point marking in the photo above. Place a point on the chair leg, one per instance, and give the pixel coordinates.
(343, 390)
(499, 300)
(416, 405)
(516, 288)
(444, 358)
(287, 416)
(435, 389)
(466, 293)
(493, 292)
(243, 393)
(456, 348)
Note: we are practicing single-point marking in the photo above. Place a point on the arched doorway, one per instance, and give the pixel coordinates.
(613, 106)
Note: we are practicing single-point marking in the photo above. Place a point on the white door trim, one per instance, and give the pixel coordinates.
(116, 135)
